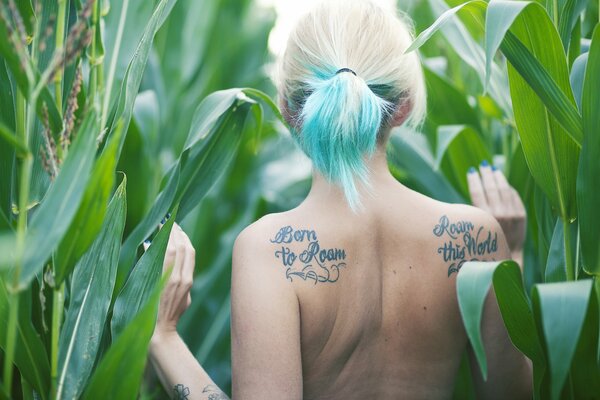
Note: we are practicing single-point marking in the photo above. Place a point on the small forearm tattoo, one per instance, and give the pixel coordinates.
(314, 262)
(181, 391)
(214, 393)
(463, 242)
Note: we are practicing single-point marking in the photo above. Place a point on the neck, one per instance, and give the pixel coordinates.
(379, 175)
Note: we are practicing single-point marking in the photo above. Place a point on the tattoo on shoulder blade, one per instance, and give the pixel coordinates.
(463, 242)
(181, 391)
(314, 262)
(214, 393)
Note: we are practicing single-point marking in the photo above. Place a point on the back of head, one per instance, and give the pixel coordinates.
(342, 79)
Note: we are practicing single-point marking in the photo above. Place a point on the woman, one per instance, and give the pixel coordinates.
(352, 295)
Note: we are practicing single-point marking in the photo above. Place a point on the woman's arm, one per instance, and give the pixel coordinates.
(266, 361)
(265, 322)
(179, 371)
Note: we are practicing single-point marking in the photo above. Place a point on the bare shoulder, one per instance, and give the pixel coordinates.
(465, 233)
(253, 247)
(256, 236)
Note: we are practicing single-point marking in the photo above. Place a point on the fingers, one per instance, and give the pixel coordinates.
(519, 206)
(476, 190)
(491, 188)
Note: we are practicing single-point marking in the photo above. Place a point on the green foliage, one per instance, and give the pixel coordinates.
(553, 126)
(148, 97)
(90, 95)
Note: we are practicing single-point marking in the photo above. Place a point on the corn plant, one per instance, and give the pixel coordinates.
(77, 301)
(552, 57)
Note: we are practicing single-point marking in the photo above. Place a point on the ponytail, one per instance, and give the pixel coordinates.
(340, 122)
(337, 117)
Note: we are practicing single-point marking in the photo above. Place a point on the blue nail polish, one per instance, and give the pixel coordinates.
(162, 221)
(472, 170)
(147, 241)
(168, 215)
(485, 163)
(494, 168)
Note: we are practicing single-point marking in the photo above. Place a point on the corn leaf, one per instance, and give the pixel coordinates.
(500, 16)
(30, 354)
(585, 368)
(408, 151)
(468, 49)
(214, 137)
(135, 70)
(588, 177)
(88, 220)
(143, 230)
(142, 281)
(91, 292)
(560, 310)
(54, 215)
(550, 153)
(473, 283)
(576, 77)
(119, 373)
(459, 148)
(8, 144)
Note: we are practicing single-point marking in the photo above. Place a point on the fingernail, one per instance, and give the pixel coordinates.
(472, 170)
(168, 215)
(494, 168)
(162, 221)
(485, 163)
(147, 241)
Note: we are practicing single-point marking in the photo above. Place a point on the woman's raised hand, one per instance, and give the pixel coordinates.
(175, 298)
(491, 192)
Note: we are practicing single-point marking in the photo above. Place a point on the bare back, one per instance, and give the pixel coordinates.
(378, 314)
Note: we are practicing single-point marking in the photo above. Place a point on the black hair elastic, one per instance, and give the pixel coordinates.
(339, 71)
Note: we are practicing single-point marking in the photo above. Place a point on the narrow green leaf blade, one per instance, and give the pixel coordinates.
(561, 308)
(211, 145)
(52, 219)
(135, 70)
(588, 175)
(408, 151)
(119, 374)
(550, 152)
(88, 220)
(473, 282)
(471, 6)
(472, 285)
(142, 281)
(91, 292)
(30, 354)
(159, 209)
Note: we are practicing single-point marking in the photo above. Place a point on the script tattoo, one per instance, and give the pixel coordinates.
(314, 262)
(464, 242)
(214, 393)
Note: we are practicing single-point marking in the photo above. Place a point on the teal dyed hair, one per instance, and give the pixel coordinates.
(341, 119)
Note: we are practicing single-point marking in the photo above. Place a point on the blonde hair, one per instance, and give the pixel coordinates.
(342, 77)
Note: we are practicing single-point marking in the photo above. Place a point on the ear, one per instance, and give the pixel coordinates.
(285, 110)
(402, 112)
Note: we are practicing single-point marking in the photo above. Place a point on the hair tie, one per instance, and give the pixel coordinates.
(339, 71)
